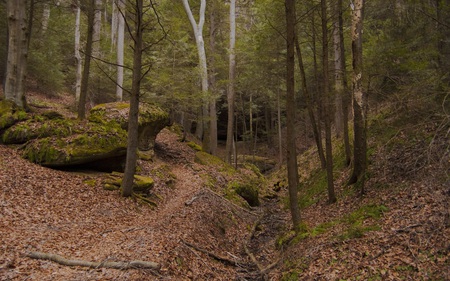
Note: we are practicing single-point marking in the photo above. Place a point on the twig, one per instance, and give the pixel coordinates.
(404, 229)
(116, 265)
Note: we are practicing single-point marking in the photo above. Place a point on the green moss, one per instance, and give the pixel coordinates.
(96, 142)
(207, 159)
(194, 146)
(10, 114)
(90, 182)
(37, 128)
(248, 191)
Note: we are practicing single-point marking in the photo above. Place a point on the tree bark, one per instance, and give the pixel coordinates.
(327, 104)
(359, 99)
(292, 165)
(87, 61)
(231, 82)
(120, 47)
(132, 140)
(309, 105)
(108, 264)
(212, 81)
(78, 55)
(198, 33)
(17, 52)
(341, 87)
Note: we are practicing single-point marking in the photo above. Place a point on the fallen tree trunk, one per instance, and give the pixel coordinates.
(136, 264)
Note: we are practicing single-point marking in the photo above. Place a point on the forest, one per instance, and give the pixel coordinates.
(224, 140)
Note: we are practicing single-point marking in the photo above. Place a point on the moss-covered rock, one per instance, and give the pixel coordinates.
(38, 128)
(10, 114)
(95, 143)
(248, 191)
(152, 120)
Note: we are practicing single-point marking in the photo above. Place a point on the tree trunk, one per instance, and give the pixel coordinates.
(120, 47)
(97, 28)
(316, 101)
(359, 100)
(327, 104)
(45, 17)
(78, 55)
(341, 87)
(198, 33)
(17, 52)
(212, 82)
(231, 81)
(280, 139)
(309, 105)
(290, 115)
(132, 140)
(87, 61)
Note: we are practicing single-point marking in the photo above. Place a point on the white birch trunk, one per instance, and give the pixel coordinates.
(78, 55)
(45, 17)
(114, 15)
(198, 33)
(120, 48)
(97, 28)
(17, 52)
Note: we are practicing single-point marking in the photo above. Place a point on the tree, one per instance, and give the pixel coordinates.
(231, 83)
(17, 52)
(78, 59)
(292, 165)
(359, 99)
(340, 80)
(120, 44)
(87, 60)
(132, 140)
(327, 104)
(209, 141)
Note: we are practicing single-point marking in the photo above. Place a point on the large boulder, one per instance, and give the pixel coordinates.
(98, 144)
(152, 120)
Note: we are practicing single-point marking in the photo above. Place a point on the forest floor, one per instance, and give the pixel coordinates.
(399, 230)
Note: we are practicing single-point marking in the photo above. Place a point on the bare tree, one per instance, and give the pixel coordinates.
(231, 82)
(132, 140)
(292, 165)
(359, 99)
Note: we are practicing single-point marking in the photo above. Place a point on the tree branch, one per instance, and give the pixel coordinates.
(116, 265)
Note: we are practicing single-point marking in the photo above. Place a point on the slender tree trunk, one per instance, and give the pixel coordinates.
(198, 33)
(309, 105)
(78, 55)
(87, 62)
(290, 116)
(97, 28)
(212, 81)
(359, 99)
(280, 139)
(231, 81)
(45, 17)
(327, 105)
(132, 141)
(317, 100)
(120, 47)
(341, 87)
(17, 52)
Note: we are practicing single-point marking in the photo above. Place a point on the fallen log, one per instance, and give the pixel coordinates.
(135, 264)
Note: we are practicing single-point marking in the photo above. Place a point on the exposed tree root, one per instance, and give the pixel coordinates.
(136, 264)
